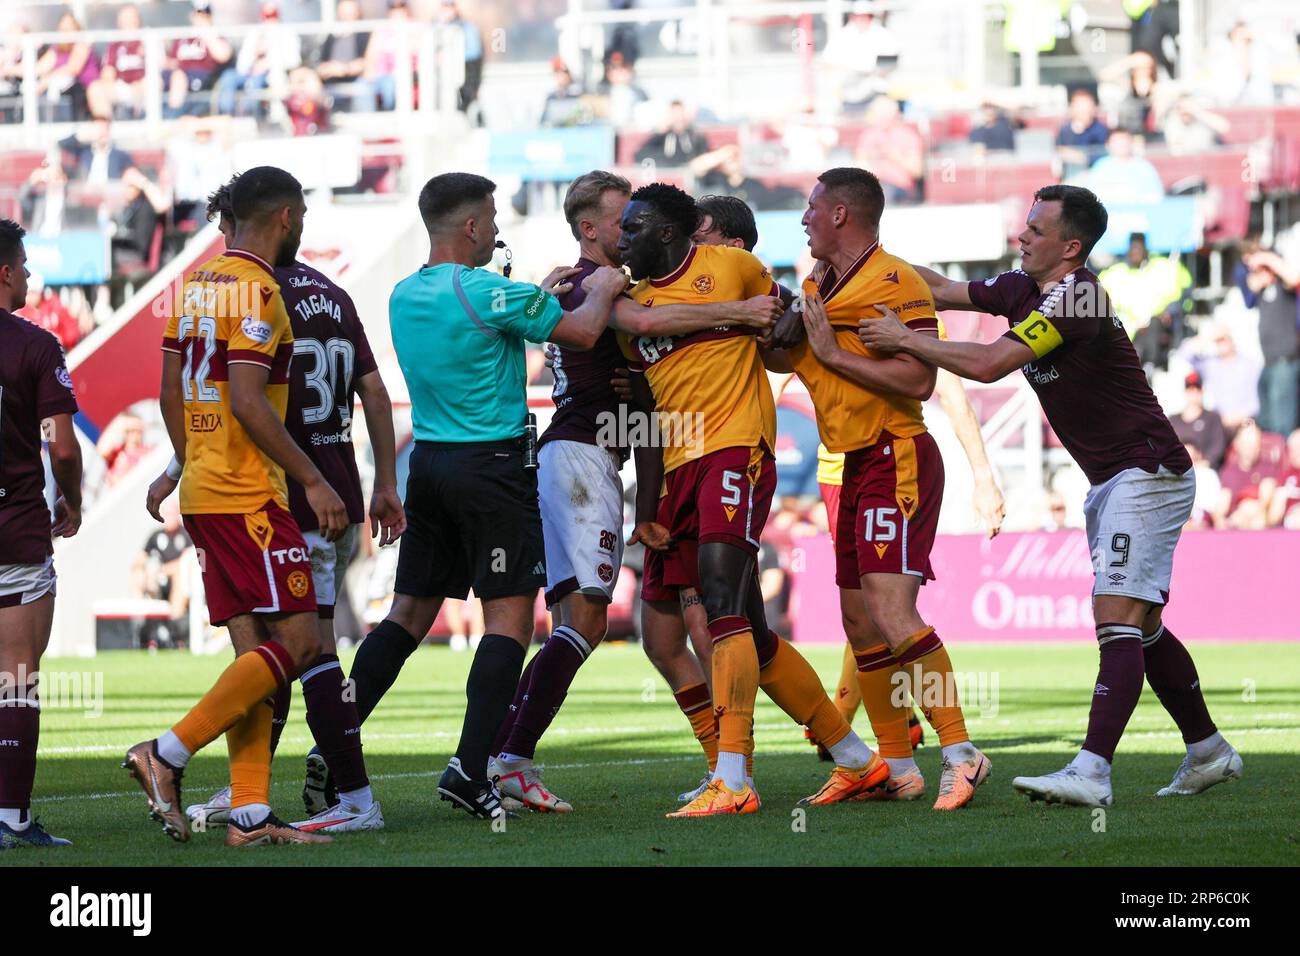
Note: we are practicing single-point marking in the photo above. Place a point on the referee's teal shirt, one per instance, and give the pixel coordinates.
(459, 335)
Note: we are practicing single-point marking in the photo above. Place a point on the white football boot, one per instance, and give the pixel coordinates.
(522, 781)
(214, 813)
(340, 819)
(1067, 786)
(690, 795)
(1194, 776)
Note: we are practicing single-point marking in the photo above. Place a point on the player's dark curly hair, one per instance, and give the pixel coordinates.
(672, 203)
(732, 217)
(219, 202)
(1083, 217)
(11, 240)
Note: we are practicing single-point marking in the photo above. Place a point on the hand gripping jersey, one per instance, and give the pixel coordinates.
(711, 390)
(231, 312)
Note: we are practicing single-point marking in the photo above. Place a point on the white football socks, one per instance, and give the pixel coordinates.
(960, 753)
(1204, 749)
(522, 762)
(900, 765)
(731, 770)
(357, 801)
(171, 750)
(851, 751)
(250, 814)
(1091, 765)
(14, 818)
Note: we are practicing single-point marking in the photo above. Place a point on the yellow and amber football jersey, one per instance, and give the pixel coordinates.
(710, 386)
(850, 415)
(231, 313)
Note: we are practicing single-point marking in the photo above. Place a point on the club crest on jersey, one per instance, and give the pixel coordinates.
(256, 329)
(64, 379)
(298, 583)
(703, 284)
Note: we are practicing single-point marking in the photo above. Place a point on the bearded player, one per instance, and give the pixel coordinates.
(720, 474)
(225, 389)
(333, 364)
(870, 408)
(579, 489)
(36, 400)
(1077, 357)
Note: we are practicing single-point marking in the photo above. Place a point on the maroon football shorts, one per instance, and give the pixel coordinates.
(889, 509)
(722, 496)
(252, 563)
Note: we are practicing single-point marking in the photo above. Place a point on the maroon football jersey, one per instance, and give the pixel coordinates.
(34, 385)
(582, 393)
(127, 58)
(1092, 387)
(330, 352)
(193, 56)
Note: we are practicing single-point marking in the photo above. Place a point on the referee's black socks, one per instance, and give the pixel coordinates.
(493, 677)
(378, 662)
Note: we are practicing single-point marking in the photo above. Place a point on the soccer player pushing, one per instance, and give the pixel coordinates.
(1077, 357)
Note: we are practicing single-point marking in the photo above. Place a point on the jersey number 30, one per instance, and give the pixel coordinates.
(329, 376)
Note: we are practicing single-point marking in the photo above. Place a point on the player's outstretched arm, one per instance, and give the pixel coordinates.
(956, 405)
(947, 293)
(387, 516)
(983, 363)
(249, 405)
(65, 465)
(897, 374)
(759, 312)
(581, 328)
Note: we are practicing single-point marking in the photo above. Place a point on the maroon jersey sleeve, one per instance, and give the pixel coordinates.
(54, 391)
(1003, 294)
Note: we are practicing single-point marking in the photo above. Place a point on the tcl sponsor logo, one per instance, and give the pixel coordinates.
(290, 555)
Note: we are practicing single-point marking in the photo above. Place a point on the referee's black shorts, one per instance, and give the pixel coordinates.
(471, 521)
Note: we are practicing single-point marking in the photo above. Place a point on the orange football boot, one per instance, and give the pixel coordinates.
(847, 783)
(906, 786)
(958, 782)
(717, 798)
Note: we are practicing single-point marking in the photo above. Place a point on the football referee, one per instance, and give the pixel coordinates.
(471, 497)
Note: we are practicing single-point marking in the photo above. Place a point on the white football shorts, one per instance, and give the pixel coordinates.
(1134, 521)
(581, 499)
(25, 583)
(329, 563)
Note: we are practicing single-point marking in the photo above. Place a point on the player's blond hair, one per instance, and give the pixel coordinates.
(586, 192)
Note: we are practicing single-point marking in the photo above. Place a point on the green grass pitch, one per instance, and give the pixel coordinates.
(620, 751)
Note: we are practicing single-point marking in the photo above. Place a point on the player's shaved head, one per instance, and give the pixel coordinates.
(262, 192)
(447, 200)
(858, 190)
(730, 218)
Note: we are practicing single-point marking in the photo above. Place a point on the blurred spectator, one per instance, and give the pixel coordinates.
(1284, 509)
(1209, 491)
(1055, 519)
(135, 223)
(196, 62)
(992, 130)
(449, 13)
(11, 73)
(379, 78)
(722, 172)
(265, 58)
(1145, 95)
(122, 78)
(1154, 31)
(1249, 477)
(342, 57)
(1268, 283)
(1231, 379)
(893, 150)
(43, 198)
(1240, 70)
(97, 161)
(65, 77)
(1148, 296)
(1122, 178)
(858, 56)
(159, 571)
(1191, 128)
(1083, 136)
(564, 106)
(44, 308)
(198, 161)
(807, 141)
(122, 447)
(622, 92)
(676, 143)
(1198, 427)
(305, 106)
